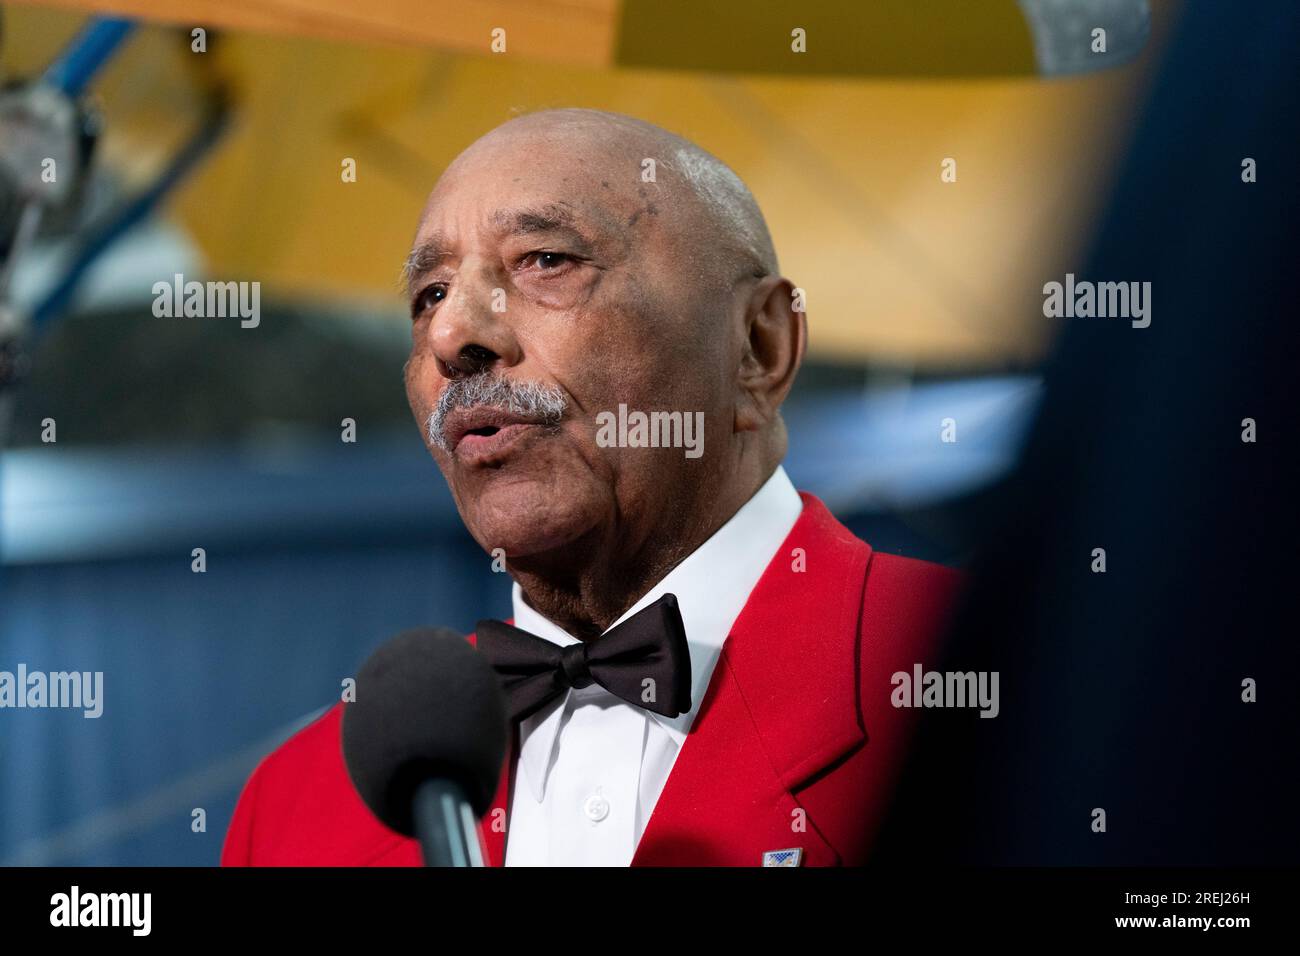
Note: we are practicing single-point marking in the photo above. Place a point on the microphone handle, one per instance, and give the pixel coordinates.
(445, 824)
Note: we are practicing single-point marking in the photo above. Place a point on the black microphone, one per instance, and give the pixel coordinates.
(425, 739)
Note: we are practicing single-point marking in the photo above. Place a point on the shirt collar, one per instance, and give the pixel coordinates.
(712, 585)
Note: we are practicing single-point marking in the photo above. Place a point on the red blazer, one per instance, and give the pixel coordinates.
(796, 743)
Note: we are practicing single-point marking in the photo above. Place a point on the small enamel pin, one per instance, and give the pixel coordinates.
(791, 857)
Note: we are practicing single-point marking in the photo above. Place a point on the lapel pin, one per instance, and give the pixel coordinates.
(791, 857)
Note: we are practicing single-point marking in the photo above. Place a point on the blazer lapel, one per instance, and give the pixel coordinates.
(781, 706)
(493, 825)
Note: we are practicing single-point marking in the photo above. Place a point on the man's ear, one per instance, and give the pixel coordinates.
(776, 336)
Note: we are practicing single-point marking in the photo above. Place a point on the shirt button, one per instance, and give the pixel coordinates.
(596, 808)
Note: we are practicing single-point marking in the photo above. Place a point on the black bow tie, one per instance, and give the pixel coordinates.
(644, 660)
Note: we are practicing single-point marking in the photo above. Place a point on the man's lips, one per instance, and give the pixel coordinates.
(482, 433)
(476, 449)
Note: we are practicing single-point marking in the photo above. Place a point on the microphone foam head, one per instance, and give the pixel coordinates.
(427, 705)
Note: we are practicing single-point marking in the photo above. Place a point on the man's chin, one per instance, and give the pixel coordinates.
(525, 518)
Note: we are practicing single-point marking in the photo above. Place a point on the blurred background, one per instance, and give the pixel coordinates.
(924, 299)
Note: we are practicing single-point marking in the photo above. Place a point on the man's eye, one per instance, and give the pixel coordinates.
(427, 299)
(549, 261)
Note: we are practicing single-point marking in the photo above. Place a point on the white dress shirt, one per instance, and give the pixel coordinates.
(591, 766)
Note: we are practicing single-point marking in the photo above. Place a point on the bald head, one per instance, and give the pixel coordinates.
(700, 194)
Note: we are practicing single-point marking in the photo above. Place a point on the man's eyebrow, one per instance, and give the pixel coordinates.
(554, 218)
(425, 256)
(550, 218)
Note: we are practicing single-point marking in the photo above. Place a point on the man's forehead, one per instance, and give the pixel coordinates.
(538, 165)
(523, 144)
(519, 214)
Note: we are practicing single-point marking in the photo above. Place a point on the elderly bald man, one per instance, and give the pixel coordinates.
(570, 266)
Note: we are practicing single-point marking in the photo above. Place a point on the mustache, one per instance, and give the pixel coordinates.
(546, 404)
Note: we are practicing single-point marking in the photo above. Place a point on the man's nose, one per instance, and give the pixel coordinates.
(467, 335)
